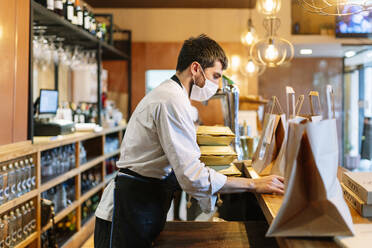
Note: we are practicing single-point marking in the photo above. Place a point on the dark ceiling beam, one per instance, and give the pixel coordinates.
(234, 4)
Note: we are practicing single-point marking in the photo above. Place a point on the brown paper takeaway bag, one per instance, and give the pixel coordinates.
(313, 203)
(269, 155)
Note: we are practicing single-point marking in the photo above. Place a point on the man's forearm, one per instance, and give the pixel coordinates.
(237, 185)
(267, 184)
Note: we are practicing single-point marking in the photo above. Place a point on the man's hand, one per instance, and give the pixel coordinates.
(269, 184)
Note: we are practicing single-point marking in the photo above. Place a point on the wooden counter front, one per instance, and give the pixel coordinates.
(270, 205)
(214, 234)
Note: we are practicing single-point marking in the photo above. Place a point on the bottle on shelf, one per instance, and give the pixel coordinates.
(99, 32)
(86, 17)
(28, 175)
(72, 157)
(93, 24)
(18, 179)
(58, 7)
(33, 173)
(2, 185)
(2, 233)
(7, 237)
(78, 116)
(24, 167)
(79, 14)
(70, 10)
(65, 8)
(33, 216)
(19, 228)
(12, 229)
(28, 218)
(12, 182)
(24, 221)
(82, 116)
(49, 4)
(6, 191)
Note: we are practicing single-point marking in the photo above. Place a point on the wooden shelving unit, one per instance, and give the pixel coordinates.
(41, 144)
(75, 36)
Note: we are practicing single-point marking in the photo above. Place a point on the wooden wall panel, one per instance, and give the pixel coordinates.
(117, 85)
(7, 67)
(14, 20)
(21, 71)
(138, 73)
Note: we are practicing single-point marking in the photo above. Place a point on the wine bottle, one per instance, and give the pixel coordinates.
(93, 24)
(12, 182)
(70, 10)
(24, 221)
(12, 229)
(3, 232)
(87, 17)
(50, 5)
(6, 234)
(33, 173)
(58, 7)
(79, 14)
(18, 215)
(64, 8)
(33, 216)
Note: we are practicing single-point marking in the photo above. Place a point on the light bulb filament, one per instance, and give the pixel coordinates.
(271, 53)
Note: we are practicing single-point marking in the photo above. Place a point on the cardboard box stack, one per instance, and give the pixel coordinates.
(357, 188)
(215, 149)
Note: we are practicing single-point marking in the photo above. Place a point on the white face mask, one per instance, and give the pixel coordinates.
(203, 94)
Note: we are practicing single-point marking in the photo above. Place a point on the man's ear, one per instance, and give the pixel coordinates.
(194, 68)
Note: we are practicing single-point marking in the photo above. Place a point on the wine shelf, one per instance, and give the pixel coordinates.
(83, 231)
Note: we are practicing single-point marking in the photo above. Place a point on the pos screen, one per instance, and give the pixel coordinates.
(48, 101)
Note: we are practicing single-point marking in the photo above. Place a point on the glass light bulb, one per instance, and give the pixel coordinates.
(249, 38)
(250, 67)
(235, 62)
(271, 53)
(268, 5)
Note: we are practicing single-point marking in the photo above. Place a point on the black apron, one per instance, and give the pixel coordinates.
(141, 205)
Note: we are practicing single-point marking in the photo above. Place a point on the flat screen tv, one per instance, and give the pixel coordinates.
(357, 25)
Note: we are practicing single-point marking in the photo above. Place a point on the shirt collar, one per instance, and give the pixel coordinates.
(177, 80)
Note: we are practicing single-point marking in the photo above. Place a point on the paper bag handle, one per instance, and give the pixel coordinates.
(311, 95)
(289, 91)
(330, 102)
(275, 102)
(299, 104)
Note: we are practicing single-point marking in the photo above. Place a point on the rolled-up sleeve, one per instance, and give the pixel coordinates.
(177, 136)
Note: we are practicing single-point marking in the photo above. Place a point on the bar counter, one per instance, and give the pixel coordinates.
(242, 234)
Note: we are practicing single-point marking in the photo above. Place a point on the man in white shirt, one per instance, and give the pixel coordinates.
(159, 154)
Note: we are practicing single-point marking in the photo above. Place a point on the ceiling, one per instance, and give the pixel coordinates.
(172, 3)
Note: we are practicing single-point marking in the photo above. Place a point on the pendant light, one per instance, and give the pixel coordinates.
(336, 7)
(269, 7)
(249, 36)
(272, 51)
(251, 68)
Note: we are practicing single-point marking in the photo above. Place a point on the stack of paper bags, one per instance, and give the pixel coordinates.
(357, 188)
(215, 149)
(214, 136)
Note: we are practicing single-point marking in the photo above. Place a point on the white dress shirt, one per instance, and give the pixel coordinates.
(161, 136)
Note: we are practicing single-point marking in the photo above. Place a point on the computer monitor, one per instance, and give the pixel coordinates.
(48, 102)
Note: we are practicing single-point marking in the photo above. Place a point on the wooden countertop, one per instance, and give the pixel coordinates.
(270, 205)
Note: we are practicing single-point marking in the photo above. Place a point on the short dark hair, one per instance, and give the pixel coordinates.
(203, 50)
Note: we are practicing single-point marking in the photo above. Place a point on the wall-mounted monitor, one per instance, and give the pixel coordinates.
(357, 25)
